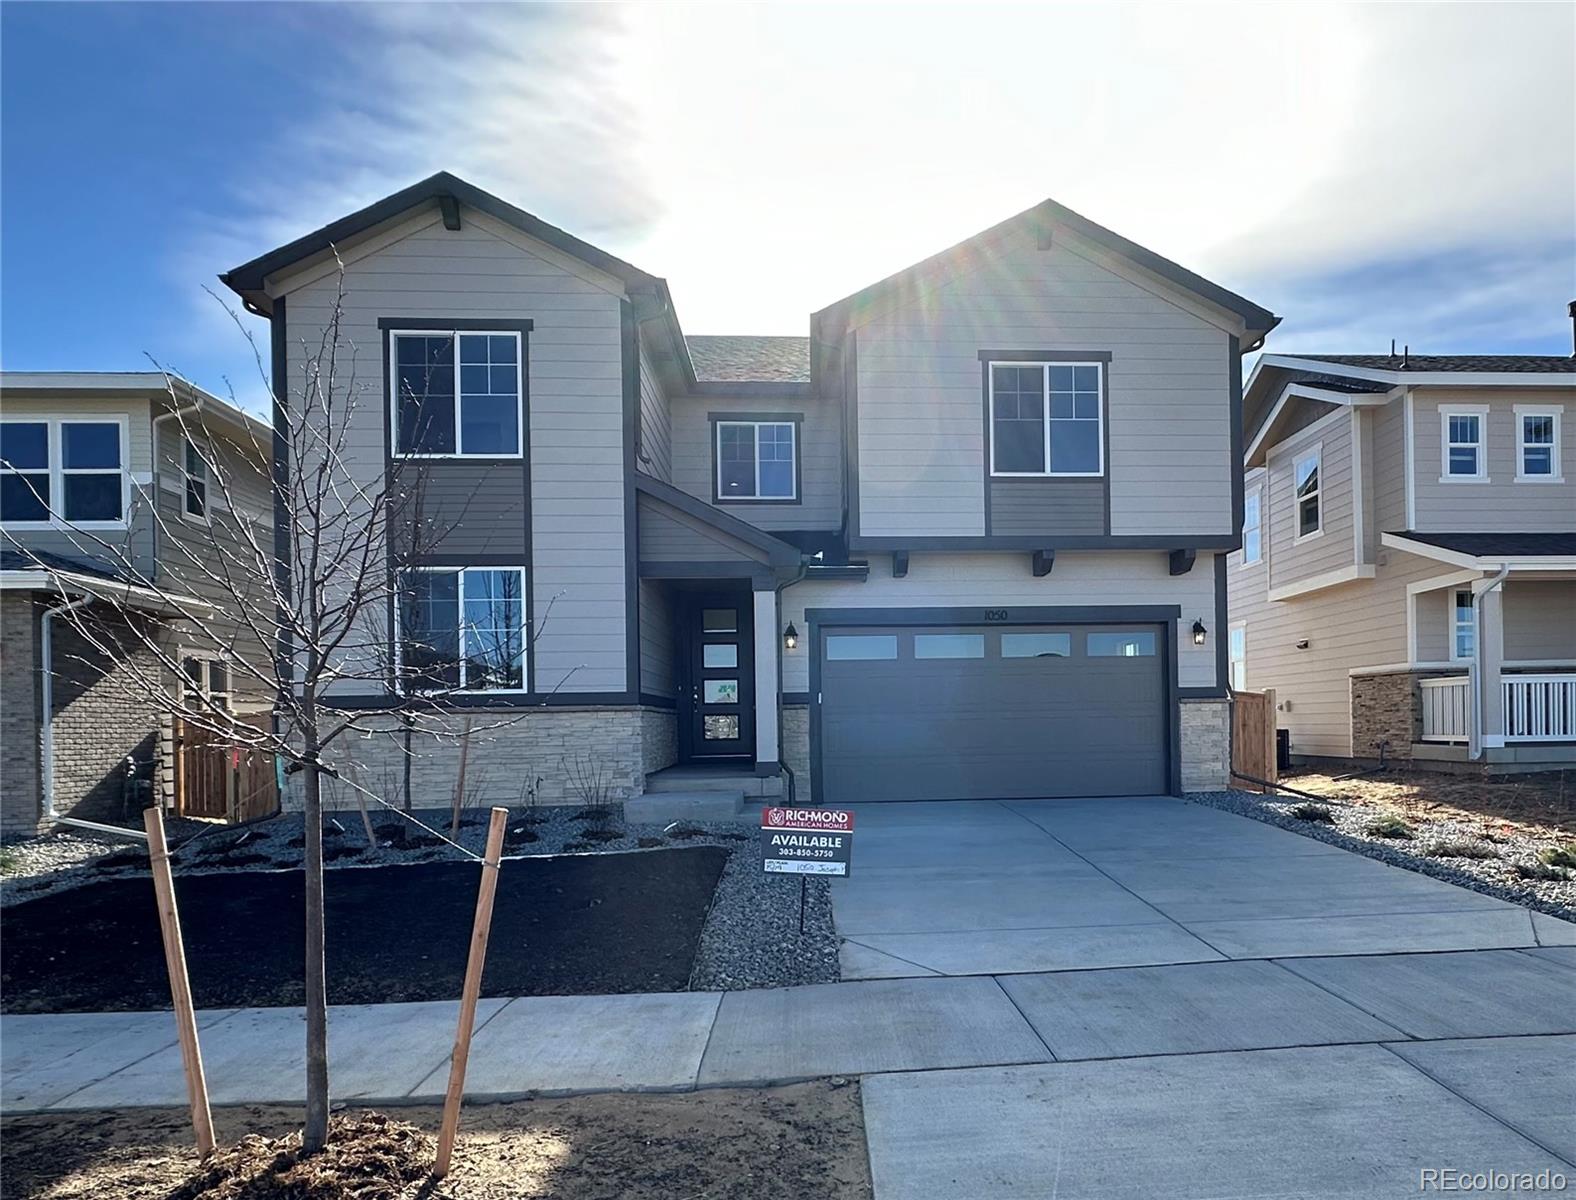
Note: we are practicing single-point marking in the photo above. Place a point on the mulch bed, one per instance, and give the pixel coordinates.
(787, 1143)
(567, 925)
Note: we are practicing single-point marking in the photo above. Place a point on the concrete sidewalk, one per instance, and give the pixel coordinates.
(395, 1053)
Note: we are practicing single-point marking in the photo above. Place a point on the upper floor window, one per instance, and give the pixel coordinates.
(457, 394)
(205, 678)
(195, 470)
(463, 629)
(63, 471)
(1464, 630)
(757, 460)
(1046, 419)
(1538, 452)
(1464, 454)
(1237, 657)
(1309, 493)
(1252, 527)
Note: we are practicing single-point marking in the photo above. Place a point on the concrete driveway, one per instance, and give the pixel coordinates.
(992, 888)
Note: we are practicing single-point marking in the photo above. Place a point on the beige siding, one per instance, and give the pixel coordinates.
(1501, 505)
(1540, 620)
(1005, 580)
(1290, 559)
(820, 459)
(1388, 467)
(485, 271)
(921, 420)
(654, 455)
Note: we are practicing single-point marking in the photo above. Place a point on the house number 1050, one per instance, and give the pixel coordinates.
(995, 614)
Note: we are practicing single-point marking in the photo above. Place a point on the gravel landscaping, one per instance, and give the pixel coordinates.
(1483, 848)
(750, 938)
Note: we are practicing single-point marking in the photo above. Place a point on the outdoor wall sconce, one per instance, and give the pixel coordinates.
(790, 637)
(1198, 632)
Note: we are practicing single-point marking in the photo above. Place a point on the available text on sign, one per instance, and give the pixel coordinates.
(806, 841)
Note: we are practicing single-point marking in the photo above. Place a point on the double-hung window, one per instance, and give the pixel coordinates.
(194, 468)
(1237, 656)
(1464, 627)
(757, 460)
(457, 393)
(205, 678)
(1252, 526)
(63, 471)
(1463, 451)
(1538, 449)
(463, 629)
(1047, 418)
(1308, 493)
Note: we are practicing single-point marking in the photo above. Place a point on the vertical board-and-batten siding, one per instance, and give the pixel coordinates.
(1503, 504)
(820, 451)
(488, 271)
(1291, 559)
(922, 451)
(654, 454)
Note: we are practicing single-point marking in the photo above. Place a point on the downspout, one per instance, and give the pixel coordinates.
(46, 643)
(1475, 668)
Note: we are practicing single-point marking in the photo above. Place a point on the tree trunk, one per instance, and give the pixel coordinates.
(315, 1134)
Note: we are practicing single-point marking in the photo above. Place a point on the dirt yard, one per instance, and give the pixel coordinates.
(790, 1143)
(1537, 805)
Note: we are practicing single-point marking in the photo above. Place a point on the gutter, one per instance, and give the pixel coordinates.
(1475, 669)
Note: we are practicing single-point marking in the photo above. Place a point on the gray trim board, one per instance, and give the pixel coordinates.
(851, 437)
(460, 324)
(837, 571)
(884, 545)
(796, 698)
(1234, 366)
(376, 701)
(760, 575)
(1221, 632)
(716, 389)
(779, 418)
(1202, 693)
(629, 348)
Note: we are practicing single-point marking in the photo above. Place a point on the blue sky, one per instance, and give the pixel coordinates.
(1369, 172)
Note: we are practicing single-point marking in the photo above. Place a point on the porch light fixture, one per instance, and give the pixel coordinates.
(790, 637)
(1198, 632)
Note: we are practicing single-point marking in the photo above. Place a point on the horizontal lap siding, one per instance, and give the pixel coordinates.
(575, 414)
(1540, 620)
(921, 423)
(1389, 468)
(1289, 559)
(668, 537)
(470, 508)
(988, 580)
(656, 425)
(1501, 505)
(1059, 506)
(656, 639)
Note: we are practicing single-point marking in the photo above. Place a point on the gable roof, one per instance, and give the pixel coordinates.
(750, 359)
(1043, 216)
(777, 553)
(1528, 364)
(150, 385)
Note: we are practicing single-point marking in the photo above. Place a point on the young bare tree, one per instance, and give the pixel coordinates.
(302, 606)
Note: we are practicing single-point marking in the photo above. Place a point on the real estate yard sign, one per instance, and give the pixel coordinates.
(806, 841)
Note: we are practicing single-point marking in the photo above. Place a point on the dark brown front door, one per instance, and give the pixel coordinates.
(718, 700)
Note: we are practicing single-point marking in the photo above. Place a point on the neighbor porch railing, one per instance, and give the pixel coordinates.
(1537, 708)
(1447, 708)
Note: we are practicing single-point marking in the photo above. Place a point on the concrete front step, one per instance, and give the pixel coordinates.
(710, 779)
(659, 808)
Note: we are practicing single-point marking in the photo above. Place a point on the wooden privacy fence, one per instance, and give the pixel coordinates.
(1253, 738)
(211, 778)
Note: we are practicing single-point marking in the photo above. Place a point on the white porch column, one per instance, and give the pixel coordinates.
(1490, 606)
(766, 686)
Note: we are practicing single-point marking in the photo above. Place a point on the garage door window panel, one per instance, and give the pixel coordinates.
(1122, 645)
(1036, 645)
(861, 647)
(949, 645)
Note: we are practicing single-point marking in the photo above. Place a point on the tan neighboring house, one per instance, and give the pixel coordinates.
(1407, 578)
(108, 510)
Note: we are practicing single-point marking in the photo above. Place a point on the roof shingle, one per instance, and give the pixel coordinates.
(1497, 545)
(750, 359)
(1547, 364)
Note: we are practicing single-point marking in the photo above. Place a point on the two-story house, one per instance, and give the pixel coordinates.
(965, 540)
(1407, 576)
(117, 490)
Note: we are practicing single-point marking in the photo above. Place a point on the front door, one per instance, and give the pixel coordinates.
(717, 717)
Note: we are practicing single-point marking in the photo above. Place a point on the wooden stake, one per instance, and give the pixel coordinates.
(180, 985)
(459, 782)
(473, 987)
(361, 803)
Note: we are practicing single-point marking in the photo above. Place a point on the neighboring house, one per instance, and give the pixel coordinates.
(965, 540)
(1407, 579)
(105, 502)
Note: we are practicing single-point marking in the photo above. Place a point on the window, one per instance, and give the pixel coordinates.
(63, 471)
(723, 655)
(1252, 534)
(1464, 635)
(1036, 645)
(949, 645)
(857, 647)
(205, 678)
(196, 472)
(1463, 452)
(464, 409)
(463, 629)
(720, 691)
(1305, 473)
(1045, 419)
(756, 460)
(1121, 645)
(1237, 657)
(1538, 459)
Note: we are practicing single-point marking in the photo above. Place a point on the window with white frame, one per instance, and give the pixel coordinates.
(1463, 451)
(1047, 418)
(1308, 491)
(457, 394)
(463, 629)
(1237, 657)
(1464, 628)
(1538, 451)
(205, 679)
(63, 470)
(194, 468)
(1252, 526)
(757, 460)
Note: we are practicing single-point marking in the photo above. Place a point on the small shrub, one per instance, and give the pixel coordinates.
(1462, 850)
(9, 862)
(1542, 871)
(648, 843)
(1559, 856)
(1312, 812)
(1389, 827)
(600, 835)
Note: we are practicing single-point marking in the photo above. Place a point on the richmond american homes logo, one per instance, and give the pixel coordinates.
(806, 841)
